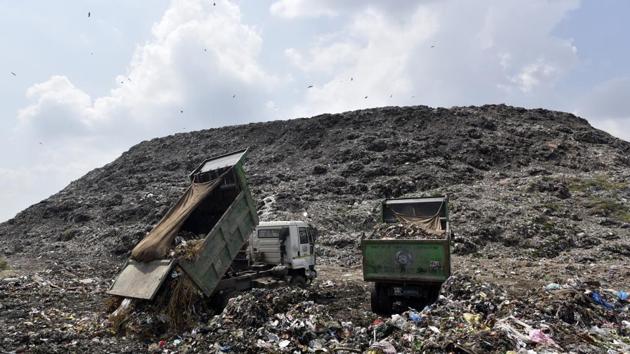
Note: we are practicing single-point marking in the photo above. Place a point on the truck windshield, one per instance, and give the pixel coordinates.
(273, 233)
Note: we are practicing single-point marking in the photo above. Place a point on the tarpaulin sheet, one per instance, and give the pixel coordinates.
(157, 243)
(430, 224)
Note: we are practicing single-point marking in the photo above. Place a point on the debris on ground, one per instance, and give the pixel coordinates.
(404, 231)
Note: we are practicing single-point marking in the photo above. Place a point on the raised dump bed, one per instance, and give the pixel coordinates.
(408, 258)
(217, 206)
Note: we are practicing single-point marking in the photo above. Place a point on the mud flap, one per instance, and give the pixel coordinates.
(141, 280)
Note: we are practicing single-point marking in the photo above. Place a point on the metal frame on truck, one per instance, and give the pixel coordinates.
(408, 270)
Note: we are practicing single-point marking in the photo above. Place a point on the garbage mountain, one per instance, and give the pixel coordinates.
(538, 199)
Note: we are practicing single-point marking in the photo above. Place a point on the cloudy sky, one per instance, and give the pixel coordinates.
(78, 90)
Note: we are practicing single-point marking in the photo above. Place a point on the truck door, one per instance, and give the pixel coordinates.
(270, 244)
(305, 245)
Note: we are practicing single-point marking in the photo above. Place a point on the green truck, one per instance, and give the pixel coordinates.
(409, 271)
(219, 207)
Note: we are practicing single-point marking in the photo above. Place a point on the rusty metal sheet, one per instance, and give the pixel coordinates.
(141, 280)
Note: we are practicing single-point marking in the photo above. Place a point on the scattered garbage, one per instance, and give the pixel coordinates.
(382, 347)
(597, 298)
(552, 286)
(404, 231)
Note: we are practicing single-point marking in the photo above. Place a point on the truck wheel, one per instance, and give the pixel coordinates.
(374, 304)
(433, 294)
(298, 280)
(381, 302)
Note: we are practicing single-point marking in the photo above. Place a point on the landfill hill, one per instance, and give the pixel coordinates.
(536, 197)
(535, 180)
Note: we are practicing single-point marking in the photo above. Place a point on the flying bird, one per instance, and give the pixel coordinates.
(12, 73)
(310, 86)
(214, 4)
(433, 46)
(365, 97)
(351, 79)
(233, 96)
(390, 96)
(181, 111)
(89, 14)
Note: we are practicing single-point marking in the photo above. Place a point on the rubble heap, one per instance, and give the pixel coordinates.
(404, 231)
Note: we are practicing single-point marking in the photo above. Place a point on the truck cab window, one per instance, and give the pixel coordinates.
(274, 233)
(303, 236)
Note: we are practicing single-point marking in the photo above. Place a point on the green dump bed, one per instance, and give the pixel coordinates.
(227, 216)
(409, 261)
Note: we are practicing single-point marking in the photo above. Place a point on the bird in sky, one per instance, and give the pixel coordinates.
(181, 111)
(365, 97)
(310, 86)
(433, 46)
(351, 79)
(12, 73)
(89, 14)
(233, 96)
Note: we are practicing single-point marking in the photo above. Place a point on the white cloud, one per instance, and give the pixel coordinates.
(608, 106)
(533, 75)
(302, 8)
(437, 53)
(200, 56)
(294, 9)
(184, 78)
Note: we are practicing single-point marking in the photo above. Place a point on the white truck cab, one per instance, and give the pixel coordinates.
(288, 243)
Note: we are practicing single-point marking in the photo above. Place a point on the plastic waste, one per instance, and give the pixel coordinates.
(382, 347)
(472, 319)
(622, 295)
(597, 298)
(538, 336)
(415, 317)
(552, 286)
(284, 343)
(397, 321)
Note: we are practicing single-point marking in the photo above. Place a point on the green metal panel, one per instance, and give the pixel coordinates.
(406, 260)
(141, 280)
(224, 240)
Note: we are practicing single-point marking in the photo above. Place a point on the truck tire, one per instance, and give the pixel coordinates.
(298, 280)
(381, 302)
(433, 294)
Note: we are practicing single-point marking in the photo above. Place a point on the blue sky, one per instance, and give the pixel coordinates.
(85, 88)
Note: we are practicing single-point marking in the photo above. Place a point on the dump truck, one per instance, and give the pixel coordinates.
(409, 270)
(219, 209)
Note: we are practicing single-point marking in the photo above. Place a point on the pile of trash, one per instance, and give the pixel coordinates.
(470, 316)
(404, 231)
(178, 305)
(474, 317)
